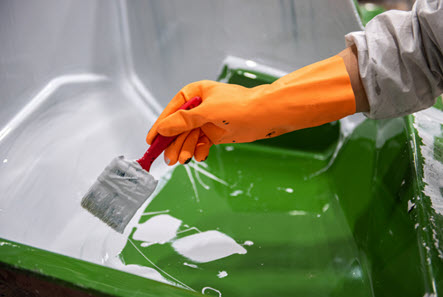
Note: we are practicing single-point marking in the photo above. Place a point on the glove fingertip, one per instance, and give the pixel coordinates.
(150, 137)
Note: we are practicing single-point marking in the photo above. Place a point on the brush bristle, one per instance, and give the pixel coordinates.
(119, 192)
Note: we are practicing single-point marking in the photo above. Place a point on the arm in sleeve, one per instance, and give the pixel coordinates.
(400, 59)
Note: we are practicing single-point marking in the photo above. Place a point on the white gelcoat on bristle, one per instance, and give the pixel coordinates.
(119, 192)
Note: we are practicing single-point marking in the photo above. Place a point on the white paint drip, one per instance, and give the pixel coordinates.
(207, 246)
(297, 213)
(236, 193)
(229, 148)
(211, 289)
(248, 192)
(208, 174)
(248, 243)
(191, 179)
(287, 190)
(410, 205)
(159, 229)
(325, 208)
(190, 265)
(222, 274)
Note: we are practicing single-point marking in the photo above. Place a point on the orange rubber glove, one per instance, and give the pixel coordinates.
(311, 96)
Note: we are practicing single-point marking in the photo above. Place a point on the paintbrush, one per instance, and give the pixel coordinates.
(124, 185)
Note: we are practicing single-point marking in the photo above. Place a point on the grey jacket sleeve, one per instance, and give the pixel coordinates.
(400, 59)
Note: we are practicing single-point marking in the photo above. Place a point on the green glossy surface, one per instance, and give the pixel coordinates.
(342, 228)
(83, 275)
(368, 12)
(327, 215)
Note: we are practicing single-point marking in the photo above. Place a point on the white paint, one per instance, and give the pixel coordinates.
(193, 184)
(159, 229)
(229, 148)
(297, 213)
(428, 124)
(287, 190)
(207, 246)
(200, 181)
(144, 271)
(208, 174)
(179, 283)
(248, 243)
(190, 265)
(222, 274)
(236, 193)
(211, 289)
(410, 205)
(146, 244)
(5, 161)
(325, 207)
(155, 212)
(248, 192)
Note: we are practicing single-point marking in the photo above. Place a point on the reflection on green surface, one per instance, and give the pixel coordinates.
(327, 215)
(301, 240)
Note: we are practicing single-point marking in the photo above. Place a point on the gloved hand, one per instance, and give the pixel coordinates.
(311, 96)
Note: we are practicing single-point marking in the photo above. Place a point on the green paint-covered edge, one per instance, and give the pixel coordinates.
(431, 265)
(83, 275)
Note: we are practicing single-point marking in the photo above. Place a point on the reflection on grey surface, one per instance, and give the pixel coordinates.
(82, 81)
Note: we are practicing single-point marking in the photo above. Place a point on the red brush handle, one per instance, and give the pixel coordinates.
(161, 142)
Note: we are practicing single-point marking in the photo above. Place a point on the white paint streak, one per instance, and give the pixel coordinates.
(197, 175)
(428, 124)
(208, 174)
(191, 179)
(190, 265)
(158, 268)
(236, 193)
(155, 212)
(211, 289)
